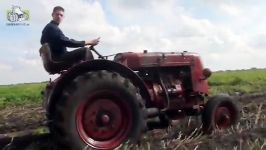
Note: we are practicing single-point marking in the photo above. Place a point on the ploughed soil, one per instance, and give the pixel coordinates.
(23, 127)
(19, 118)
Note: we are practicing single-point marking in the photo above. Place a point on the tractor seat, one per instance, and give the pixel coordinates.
(51, 66)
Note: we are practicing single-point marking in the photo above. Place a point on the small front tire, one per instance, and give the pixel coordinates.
(220, 112)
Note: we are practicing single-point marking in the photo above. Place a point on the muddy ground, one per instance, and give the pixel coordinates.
(27, 127)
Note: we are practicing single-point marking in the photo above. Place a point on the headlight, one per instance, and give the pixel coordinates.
(206, 73)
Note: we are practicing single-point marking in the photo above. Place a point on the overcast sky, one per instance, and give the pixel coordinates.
(228, 34)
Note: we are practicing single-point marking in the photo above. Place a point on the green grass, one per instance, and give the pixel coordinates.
(241, 81)
(21, 94)
(246, 81)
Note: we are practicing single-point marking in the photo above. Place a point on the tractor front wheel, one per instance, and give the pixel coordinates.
(220, 112)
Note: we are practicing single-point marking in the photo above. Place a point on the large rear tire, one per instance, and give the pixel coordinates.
(99, 110)
(220, 112)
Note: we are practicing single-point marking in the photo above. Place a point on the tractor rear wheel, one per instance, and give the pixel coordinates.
(99, 110)
(220, 112)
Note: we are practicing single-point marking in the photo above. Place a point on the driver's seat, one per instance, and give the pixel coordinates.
(51, 66)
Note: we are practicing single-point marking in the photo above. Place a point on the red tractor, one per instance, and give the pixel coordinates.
(102, 104)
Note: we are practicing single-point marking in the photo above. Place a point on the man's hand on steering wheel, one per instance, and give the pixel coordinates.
(92, 42)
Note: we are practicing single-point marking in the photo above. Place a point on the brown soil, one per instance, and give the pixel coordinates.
(20, 118)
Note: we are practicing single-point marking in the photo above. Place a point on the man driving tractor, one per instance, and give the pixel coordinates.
(58, 42)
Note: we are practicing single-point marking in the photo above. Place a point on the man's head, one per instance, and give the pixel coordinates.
(58, 14)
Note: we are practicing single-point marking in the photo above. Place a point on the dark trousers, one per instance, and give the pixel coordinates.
(76, 55)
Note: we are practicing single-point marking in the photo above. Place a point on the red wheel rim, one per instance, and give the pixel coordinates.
(104, 120)
(224, 117)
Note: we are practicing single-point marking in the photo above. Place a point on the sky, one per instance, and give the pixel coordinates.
(228, 34)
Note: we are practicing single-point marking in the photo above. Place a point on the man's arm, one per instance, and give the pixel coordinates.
(57, 35)
(70, 42)
(73, 43)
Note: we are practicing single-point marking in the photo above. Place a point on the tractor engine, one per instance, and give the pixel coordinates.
(165, 87)
(175, 81)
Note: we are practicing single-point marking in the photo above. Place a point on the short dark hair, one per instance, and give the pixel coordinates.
(58, 8)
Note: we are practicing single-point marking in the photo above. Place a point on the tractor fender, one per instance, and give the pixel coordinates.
(94, 65)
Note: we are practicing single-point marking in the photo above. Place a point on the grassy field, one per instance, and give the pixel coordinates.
(232, 82)
(241, 81)
(21, 94)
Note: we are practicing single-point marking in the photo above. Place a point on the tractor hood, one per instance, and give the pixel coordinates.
(153, 59)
